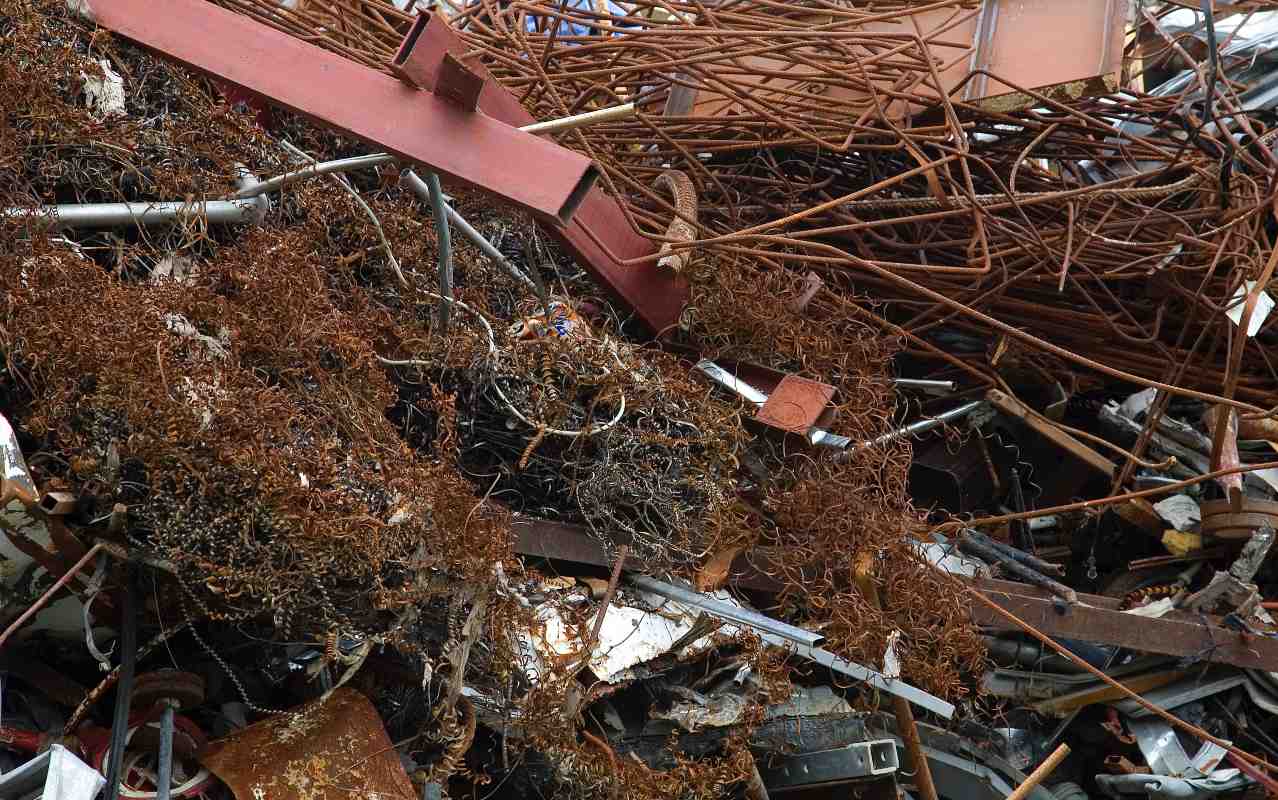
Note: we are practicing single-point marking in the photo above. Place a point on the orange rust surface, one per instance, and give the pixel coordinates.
(331, 750)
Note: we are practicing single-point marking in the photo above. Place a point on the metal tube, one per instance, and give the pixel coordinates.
(727, 611)
(445, 250)
(729, 381)
(922, 426)
(916, 383)
(114, 215)
(582, 120)
(164, 769)
(423, 191)
(323, 168)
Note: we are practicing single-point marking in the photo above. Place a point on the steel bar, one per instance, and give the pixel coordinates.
(1040, 773)
(1015, 567)
(164, 767)
(124, 691)
(419, 127)
(878, 680)
(923, 425)
(916, 383)
(1096, 619)
(727, 611)
(610, 114)
(445, 247)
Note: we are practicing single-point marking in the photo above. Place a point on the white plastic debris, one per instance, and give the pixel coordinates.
(1155, 609)
(891, 661)
(1237, 303)
(1181, 512)
(105, 94)
(631, 635)
(55, 774)
(1138, 403)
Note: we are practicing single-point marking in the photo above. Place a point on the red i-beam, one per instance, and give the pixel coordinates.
(481, 148)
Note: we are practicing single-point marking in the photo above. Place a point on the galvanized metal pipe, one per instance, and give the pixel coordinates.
(727, 611)
(115, 215)
(423, 191)
(164, 769)
(322, 168)
(445, 247)
(932, 386)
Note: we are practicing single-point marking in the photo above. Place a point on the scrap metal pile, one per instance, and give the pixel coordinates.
(785, 399)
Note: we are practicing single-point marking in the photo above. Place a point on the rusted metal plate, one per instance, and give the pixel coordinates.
(599, 237)
(473, 149)
(796, 405)
(331, 750)
(1092, 620)
(1063, 50)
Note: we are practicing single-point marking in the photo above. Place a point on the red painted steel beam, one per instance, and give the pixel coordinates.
(465, 147)
(599, 236)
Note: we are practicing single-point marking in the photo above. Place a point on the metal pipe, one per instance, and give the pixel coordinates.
(164, 769)
(378, 159)
(922, 426)
(917, 383)
(445, 250)
(114, 215)
(731, 382)
(582, 120)
(727, 611)
(323, 168)
(1042, 771)
(423, 191)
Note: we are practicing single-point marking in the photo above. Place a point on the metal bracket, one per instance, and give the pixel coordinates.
(456, 83)
(858, 760)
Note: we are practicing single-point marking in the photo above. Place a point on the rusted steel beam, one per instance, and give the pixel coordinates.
(470, 148)
(562, 541)
(599, 236)
(1096, 619)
